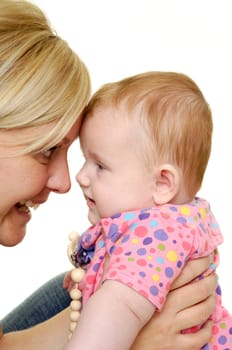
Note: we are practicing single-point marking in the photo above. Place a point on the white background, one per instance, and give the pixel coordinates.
(116, 39)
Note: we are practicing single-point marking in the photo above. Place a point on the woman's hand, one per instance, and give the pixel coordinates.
(185, 307)
(68, 282)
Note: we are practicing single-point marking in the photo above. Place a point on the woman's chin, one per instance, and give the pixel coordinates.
(11, 236)
(19, 238)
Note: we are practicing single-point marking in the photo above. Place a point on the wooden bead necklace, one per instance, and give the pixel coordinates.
(77, 275)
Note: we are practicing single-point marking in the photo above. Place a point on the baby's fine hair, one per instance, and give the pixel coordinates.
(42, 79)
(174, 114)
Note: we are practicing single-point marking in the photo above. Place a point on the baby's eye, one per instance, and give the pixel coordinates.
(100, 166)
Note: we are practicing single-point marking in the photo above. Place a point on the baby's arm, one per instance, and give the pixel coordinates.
(111, 319)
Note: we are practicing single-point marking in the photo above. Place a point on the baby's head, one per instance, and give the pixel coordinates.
(171, 123)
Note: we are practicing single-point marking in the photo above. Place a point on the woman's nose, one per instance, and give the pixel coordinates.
(59, 178)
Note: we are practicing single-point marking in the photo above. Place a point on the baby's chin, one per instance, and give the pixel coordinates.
(93, 218)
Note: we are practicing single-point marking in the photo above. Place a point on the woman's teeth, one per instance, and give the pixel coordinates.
(25, 205)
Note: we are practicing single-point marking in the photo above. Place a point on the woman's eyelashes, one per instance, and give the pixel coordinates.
(46, 155)
(49, 152)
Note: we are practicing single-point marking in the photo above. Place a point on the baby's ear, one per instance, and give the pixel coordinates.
(167, 184)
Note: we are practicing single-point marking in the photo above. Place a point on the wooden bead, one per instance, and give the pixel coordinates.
(73, 235)
(74, 316)
(75, 305)
(72, 326)
(75, 294)
(77, 275)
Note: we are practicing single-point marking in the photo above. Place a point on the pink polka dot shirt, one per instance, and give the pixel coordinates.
(147, 250)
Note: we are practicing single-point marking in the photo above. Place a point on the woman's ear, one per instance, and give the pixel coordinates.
(167, 184)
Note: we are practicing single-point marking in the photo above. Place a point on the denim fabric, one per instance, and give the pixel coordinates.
(44, 303)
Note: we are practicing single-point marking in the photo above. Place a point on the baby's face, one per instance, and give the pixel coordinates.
(114, 177)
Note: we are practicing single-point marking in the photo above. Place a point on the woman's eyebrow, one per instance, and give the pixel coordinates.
(68, 141)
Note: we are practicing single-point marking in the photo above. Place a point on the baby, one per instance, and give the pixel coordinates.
(146, 141)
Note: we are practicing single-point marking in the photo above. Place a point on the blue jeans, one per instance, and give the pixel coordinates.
(44, 303)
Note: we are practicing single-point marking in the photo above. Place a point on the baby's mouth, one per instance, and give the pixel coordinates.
(25, 206)
(90, 202)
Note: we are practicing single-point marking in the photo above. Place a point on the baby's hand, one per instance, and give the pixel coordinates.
(68, 282)
(74, 238)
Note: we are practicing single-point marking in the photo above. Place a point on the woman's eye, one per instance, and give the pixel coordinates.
(48, 153)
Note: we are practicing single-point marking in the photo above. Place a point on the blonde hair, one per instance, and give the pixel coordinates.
(174, 114)
(42, 80)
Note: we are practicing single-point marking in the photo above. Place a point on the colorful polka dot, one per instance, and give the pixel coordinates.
(141, 251)
(156, 278)
(154, 290)
(153, 223)
(140, 231)
(144, 216)
(169, 272)
(160, 235)
(147, 240)
(172, 256)
(129, 216)
(161, 247)
(185, 210)
(159, 260)
(202, 213)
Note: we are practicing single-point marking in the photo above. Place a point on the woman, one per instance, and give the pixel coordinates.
(44, 87)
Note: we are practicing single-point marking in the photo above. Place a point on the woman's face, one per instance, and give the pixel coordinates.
(27, 180)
